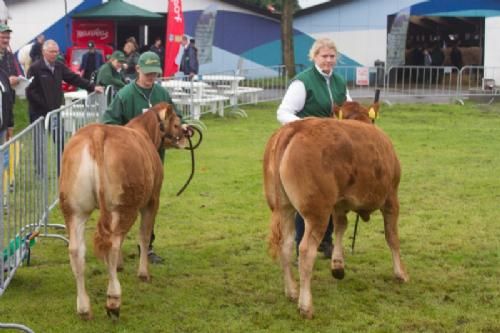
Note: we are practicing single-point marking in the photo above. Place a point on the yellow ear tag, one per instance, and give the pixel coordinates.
(340, 114)
(372, 113)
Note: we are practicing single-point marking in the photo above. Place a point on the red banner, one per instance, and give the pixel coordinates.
(99, 32)
(174, 33)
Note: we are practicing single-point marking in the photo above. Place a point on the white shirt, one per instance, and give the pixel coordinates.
(295, 98)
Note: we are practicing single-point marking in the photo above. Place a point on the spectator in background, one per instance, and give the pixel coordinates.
(109, 73)
(189, 60)
(158, 48)
(437, 56)
(9, 72)
(132, 56)
(91, 61)
(9, 78)
(36, 49)
(45, 93)
(456, 56)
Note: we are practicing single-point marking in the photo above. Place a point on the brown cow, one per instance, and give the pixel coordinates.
(321, 167)
(116, 169)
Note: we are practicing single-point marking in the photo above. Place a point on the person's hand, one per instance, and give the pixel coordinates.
(9, 134)
(14, 80)
(99, 89)
(188, 130)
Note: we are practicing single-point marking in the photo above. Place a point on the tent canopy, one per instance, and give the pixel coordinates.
(117, 10)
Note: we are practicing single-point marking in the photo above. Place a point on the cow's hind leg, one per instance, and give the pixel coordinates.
(148, 215)
(390, 211)
(287, 250)
(337, 263)
(314, 229)
(114, 292)
(75, 225)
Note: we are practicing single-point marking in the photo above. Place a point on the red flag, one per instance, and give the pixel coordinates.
(174, 33)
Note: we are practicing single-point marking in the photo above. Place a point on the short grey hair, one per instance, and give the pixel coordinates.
(48, 43)
(319, 44)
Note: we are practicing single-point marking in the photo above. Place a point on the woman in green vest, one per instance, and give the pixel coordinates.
(313, 93)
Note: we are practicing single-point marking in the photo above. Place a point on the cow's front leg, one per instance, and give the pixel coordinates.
(337, 263)
(148, 215)
(307, 255)
(390, 211)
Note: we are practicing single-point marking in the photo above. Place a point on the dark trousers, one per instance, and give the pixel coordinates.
(299, 230)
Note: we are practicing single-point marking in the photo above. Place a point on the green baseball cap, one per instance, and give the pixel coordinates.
(5, 28)
(118, 55)
(149, 62)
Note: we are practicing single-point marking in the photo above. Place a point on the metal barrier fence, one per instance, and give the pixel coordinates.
(29, 165)
(421, 81)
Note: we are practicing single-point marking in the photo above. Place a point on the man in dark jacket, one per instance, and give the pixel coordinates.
(45, 93)
(189, 60)
(92, 60)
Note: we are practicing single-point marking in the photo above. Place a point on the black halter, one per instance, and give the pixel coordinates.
(165, 134)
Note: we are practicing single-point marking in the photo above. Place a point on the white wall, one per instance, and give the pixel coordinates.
(29, 18)
(491, 41)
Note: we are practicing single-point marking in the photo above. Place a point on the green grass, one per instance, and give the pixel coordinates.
(219, 278)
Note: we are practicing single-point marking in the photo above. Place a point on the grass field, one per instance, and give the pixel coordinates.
(219, 278)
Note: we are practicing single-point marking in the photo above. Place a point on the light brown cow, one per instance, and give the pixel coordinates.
(321, 167)
(116, 169)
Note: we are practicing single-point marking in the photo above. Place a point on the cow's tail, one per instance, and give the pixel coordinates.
(102, 237)
(274, 154)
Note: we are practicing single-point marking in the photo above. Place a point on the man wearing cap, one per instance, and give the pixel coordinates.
(9, 72)
(135, 98)
(91, 61)
(109, 73)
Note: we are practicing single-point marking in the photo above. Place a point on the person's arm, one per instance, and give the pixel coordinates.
(105, 77)
(347, 95)
(71, 77)
(114, 112)
(292, 103)
(34, 93)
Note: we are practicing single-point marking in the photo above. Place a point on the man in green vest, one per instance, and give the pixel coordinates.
(109, 73)
(313, 93)
(135, 98)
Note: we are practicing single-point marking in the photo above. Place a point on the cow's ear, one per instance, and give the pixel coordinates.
(373, 111)
(335, 111)
(163, 112)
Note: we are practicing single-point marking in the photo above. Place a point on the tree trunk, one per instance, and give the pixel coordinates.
(287, 36)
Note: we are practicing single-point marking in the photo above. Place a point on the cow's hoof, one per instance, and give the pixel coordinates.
(114, 314)
(292, 295)
(338, 273)
(403, 278)
(306, 313)
(145, 278)
(85, 315)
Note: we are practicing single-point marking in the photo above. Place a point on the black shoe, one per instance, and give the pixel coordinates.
(326, 248)
(153, 258)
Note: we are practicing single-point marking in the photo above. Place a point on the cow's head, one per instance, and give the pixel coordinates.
(355, 111)
(173, 134)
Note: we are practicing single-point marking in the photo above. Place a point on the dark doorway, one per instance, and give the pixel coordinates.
(427, 32)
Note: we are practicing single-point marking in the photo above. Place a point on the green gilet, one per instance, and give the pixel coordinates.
(318, 101)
